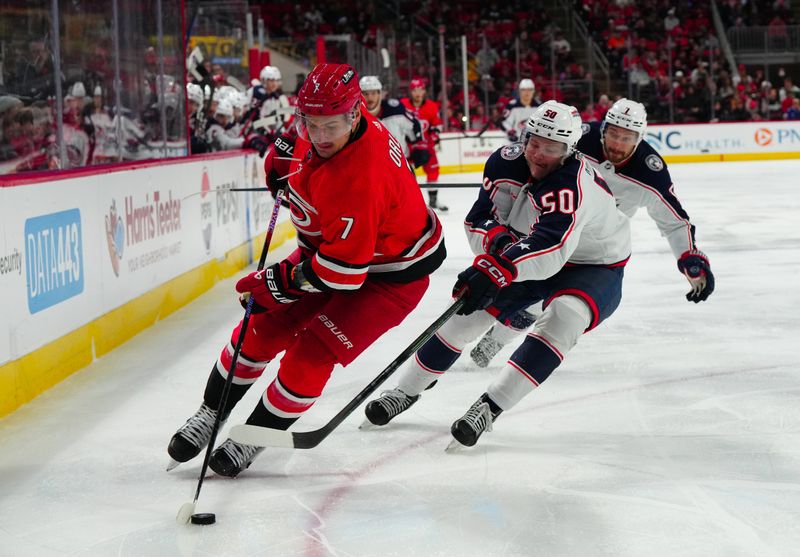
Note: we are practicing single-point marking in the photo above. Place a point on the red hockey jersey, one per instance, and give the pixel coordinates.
(361, 212)
(427, 114)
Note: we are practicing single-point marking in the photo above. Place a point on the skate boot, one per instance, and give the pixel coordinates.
(479, 418)
(391, 403)
(485, 350)
(433, 202)
(193, 436)
(230, 458)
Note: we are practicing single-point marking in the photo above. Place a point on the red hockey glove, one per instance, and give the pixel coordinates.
(697, 270)
(497, 239)
(481, 283)
(271, 287)
(277, 163)
(433, 135)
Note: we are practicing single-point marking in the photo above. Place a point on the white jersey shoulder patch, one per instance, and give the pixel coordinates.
(511, 152)
(585, 128)
(654, 163)
(393, 102)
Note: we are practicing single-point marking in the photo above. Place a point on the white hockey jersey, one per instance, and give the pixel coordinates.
(568, 217)
(643, 181)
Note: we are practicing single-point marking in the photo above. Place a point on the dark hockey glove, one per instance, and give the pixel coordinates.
(277, 163)
(497, 239)
(258, 142)
(480, 284)
(419, 157)
(697, 270)
(271, 287)
(433, 134)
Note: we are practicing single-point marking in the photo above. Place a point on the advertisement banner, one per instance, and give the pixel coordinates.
(72, 250)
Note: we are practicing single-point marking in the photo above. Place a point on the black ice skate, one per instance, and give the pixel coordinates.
(433, 202)
(192, 437)
(478, 419)
(230, 458)
(391, 403)
(485, 350)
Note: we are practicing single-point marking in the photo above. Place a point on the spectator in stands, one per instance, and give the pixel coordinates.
(671, 21)
(34, 74)
(788, 89)
(793, 113)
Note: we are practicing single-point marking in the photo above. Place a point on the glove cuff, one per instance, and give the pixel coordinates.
(683, 259)
(497, 239)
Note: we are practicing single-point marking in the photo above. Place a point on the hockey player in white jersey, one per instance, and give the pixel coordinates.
(400, 122)
(544, 227)
(638, 177)
(274, 100)
(218, 134)
(518, 111)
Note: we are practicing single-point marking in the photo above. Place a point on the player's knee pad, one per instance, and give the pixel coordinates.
(307, 366)
(462, 329)
(563, 322)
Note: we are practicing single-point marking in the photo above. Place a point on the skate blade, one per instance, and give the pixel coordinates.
(173, 464)
(454, 447)
(367, 425)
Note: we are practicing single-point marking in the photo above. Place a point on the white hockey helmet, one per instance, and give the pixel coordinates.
(270, 72)
(629, 115)
(224, 108)
(370, 83)
(240, 100)
(526, 84)
(556, 121)
(194, 93)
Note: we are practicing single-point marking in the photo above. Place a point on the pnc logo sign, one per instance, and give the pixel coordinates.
(763, 136)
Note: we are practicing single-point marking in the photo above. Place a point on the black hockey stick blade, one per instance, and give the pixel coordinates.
(267, 437)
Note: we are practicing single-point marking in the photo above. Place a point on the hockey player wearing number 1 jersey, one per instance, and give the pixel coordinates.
(545, 227)
(639, 178)
(367, 245)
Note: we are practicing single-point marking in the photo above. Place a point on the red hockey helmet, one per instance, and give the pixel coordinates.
(329, 89)
(416, 83)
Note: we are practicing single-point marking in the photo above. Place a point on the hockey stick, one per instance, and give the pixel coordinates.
(467, 136)
(187, 510)
(267, 437)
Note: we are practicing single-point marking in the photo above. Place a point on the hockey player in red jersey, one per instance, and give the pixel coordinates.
(427, 112)
(366, 247)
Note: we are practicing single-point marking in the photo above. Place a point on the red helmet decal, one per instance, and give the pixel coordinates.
(329, 89)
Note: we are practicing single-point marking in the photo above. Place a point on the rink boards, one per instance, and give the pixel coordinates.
(92, 258)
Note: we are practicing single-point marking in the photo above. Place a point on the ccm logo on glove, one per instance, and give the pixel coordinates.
(498, 275)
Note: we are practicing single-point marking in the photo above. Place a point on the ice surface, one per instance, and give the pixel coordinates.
(672, 429)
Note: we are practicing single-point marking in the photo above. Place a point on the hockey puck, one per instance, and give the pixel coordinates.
(204, 518)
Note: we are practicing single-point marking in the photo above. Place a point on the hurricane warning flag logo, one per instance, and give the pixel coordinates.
(763, 136)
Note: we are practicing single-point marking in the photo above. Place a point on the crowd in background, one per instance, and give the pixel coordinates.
(664, 54)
